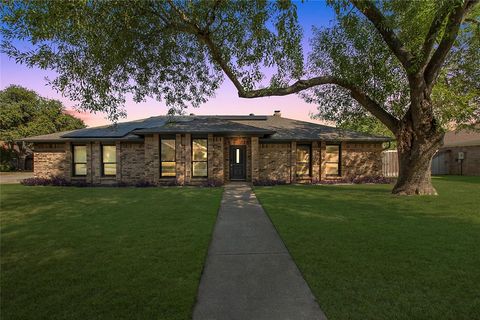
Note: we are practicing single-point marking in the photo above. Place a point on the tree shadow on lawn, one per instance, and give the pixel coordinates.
(368, 254)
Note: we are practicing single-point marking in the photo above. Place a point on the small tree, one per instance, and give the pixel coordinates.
(24, 113)
(411, 64)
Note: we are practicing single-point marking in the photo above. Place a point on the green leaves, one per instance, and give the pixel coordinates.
(178, 52)
(353, 49)
(106, 50)
(23, 114)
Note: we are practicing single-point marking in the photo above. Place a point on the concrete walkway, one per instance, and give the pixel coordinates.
(249, 274)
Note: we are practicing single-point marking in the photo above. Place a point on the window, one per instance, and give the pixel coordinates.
(109, 160)
(79, 160)
(332, 160)
(167, 157)
(303, 160)
(199, 158)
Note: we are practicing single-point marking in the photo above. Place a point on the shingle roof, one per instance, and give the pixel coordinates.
(204, 125)
(118, 130)
(269, 128)
(60, 136)
(290, 129)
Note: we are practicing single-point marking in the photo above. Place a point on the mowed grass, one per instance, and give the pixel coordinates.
(103, 253)
(367, 254)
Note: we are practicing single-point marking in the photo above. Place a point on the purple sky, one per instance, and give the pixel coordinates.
(226, 100)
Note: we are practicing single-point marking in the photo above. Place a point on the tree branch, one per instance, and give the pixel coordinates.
(361, 97)
(211, 17)
(372, 13)
(471, 20)
(217, 56)
(433, 33)
(356, 93)
(450, 34)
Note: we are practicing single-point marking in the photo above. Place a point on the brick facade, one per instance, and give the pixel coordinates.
(278, 161)
(274, 161)
(138, 162)
(131, 154)
(50, 159)
(361, 159)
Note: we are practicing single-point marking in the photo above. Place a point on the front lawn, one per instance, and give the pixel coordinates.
(367, 254)
(103, 253)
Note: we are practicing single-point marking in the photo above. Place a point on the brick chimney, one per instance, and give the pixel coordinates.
(277, 113)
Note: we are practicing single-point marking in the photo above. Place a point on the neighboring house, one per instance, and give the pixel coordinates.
(194, 149)
(16, 157)
(457, 145)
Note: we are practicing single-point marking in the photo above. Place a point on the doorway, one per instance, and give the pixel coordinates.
(238, 163)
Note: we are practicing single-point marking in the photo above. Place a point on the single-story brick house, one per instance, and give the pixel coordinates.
(194, 149)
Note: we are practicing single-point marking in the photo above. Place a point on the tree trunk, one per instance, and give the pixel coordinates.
(416, 148)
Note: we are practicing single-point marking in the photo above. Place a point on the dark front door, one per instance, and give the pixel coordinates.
(238, 168)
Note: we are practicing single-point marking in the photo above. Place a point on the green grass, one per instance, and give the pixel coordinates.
(103, 253)
(367, 254)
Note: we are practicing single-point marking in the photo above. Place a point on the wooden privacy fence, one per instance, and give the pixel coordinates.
(390, 163)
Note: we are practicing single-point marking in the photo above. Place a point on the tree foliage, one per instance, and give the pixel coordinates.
(105, 50)
(176, 51)
(23, 113)
(353, 49)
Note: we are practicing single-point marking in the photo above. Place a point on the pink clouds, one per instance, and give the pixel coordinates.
(85, 116)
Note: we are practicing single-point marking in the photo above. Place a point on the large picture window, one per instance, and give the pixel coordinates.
(109, 160)
(303, 160)
(199, 158)
(332, 160)
(79, 160)
(167, 157)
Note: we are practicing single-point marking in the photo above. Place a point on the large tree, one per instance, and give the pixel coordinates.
(23, 113)
(404, 62)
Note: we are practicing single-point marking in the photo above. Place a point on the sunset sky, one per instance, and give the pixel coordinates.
(226, 100)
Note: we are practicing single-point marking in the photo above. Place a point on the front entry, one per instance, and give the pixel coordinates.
(238, 163)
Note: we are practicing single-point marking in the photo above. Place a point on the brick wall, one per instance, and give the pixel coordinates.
(217, 162)
(471, 163)
(264, 161)
(274, 161)
(278, 161)
(131, 155)
(50, 160)
(361, 159)
(151, 158)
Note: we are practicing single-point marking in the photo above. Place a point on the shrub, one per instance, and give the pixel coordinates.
(60, 182)
(335, 181)
(377, 180)
(171, 183)
(358, 180)
(144, 184)
(269, 182)
(54, 181)
(6, 167)
(212, 183)
(35, 182)
(80, 184)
